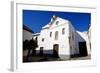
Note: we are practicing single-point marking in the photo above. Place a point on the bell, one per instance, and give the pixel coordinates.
(54, 17)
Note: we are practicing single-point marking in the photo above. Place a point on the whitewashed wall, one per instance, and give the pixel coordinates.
(63, 40)
(67, 47)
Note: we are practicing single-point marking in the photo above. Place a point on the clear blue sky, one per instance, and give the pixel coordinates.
(36, 19)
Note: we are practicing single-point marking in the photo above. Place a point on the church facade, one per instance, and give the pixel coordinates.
(60, 38)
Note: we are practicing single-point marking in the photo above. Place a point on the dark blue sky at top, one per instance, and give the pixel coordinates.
(35, 20)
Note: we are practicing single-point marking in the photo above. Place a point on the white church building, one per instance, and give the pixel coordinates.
(60, 39)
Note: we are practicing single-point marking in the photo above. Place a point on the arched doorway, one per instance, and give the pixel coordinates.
(55, 50)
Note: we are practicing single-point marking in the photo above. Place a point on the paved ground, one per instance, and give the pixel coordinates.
(81, 58)
(43, 59)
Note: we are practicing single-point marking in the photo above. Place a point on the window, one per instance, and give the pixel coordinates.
(71, 47)
(63, 31)
(57, 22)
(72, 36)
(50, 34)
(42, 39)
(56, 35)
(69, 40)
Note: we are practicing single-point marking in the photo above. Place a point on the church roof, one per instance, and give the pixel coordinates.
(46, 26)
(36, 34)
(83, 34)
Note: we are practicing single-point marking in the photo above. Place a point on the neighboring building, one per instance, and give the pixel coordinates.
(61, 39)
(27, 33)
(89, 36)
(84, 35)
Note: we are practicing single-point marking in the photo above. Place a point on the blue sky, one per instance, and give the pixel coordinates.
(36, 19)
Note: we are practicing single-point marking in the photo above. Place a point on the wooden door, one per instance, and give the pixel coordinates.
(82, 49)
(55, 50)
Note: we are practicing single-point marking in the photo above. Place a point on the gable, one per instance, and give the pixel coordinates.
(58, 22)
(55, 22)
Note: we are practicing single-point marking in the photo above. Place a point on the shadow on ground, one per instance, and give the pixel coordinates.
(44, 58)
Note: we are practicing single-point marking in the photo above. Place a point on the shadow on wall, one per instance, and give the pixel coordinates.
(48, 53)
